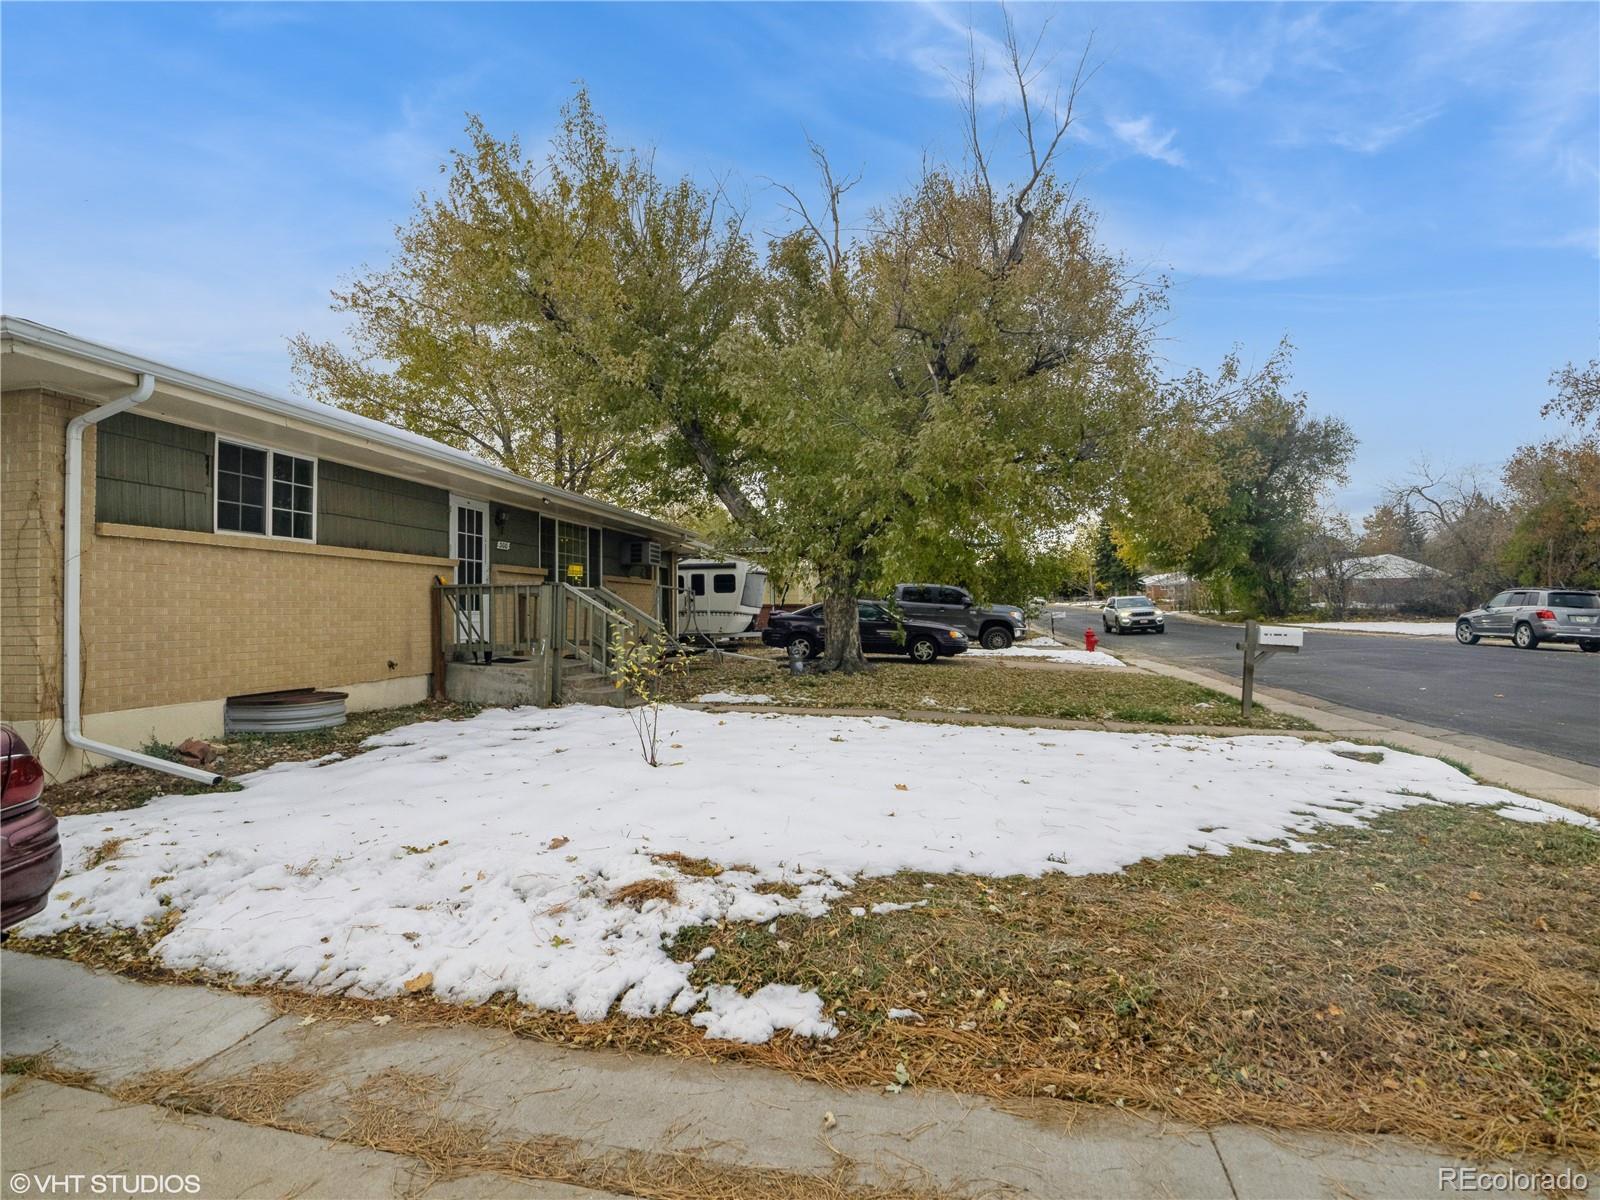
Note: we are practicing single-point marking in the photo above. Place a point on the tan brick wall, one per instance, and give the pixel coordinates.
(174, 618)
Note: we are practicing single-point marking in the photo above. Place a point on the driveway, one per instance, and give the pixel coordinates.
(1546, 700)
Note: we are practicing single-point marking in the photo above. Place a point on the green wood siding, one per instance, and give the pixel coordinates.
(521, 529)
(547, 544)
(152, 473)
(368, 511)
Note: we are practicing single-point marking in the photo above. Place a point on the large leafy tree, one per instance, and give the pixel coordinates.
(1553, 489)
(969, 374)
(1256, 464)
(1111, 569)
(966, 374)
(558, 317)
(1465, 529)
(1245, 514)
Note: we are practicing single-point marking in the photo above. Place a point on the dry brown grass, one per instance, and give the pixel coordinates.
(777, 887)
(701, 868)
(103, 853)
(1435, 974)
(641, 891)
(980, 687)
(259, 1096)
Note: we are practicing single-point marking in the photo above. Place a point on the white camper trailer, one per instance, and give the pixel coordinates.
(718, 598)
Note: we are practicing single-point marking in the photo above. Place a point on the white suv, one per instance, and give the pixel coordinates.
(1132, 614)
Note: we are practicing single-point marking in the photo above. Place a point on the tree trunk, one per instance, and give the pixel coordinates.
(842, 651)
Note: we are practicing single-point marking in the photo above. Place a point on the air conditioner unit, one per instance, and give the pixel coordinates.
(641, 554)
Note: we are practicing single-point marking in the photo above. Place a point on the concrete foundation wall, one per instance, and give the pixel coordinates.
(498, 684)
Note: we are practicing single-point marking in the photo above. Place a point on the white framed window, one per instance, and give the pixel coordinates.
(264, 492)
(572, 549)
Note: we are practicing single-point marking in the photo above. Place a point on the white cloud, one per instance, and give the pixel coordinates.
(1380, 135)
(1140, 133)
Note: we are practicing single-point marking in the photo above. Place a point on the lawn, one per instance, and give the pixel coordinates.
(1001, 687)
(1301, 934)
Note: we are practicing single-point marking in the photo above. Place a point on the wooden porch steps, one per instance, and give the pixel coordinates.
(581, 684)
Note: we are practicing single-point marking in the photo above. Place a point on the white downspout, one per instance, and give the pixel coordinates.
(71, 597)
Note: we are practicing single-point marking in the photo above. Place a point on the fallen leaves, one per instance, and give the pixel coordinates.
(419, 983)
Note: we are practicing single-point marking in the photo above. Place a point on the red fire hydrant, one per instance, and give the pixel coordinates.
(1089, 642)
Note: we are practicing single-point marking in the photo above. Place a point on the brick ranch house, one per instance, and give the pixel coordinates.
(234, 542)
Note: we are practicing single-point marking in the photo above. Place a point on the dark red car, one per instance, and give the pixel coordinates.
(30, 848)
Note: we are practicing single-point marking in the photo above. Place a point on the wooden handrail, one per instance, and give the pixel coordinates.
(597, 652)
(493, 620)
(640, 617)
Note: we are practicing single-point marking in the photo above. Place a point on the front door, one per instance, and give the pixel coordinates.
(469, 546)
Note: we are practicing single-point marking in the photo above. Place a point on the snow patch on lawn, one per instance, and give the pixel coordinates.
(499, 854)
(732, 698)
(1049, 650)
(735, 1018)
(1414, 628)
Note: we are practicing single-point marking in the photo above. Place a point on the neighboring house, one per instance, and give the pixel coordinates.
(235, 542)
(1378, 581)
(1172, 588)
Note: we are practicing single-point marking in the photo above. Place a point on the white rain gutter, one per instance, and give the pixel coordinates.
(71, 597)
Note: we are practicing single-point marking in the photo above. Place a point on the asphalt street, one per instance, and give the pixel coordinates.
(1546, 699)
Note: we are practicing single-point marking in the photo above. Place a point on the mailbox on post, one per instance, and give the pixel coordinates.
(1261, 642)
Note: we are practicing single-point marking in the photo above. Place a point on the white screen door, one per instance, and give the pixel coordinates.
(469, 537)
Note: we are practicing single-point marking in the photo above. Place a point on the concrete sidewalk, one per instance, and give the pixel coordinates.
(1527, 771)
(750, 1131)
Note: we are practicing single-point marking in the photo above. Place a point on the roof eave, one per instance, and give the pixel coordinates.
(59, 342)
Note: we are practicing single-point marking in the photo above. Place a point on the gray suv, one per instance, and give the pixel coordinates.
(994, 626)
(1529, 616)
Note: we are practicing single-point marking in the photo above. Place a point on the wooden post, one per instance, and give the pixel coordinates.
(550, 639)
(558, 639)
(1252, 641)
(436, 639)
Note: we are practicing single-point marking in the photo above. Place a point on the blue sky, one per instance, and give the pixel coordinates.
(1410, 193)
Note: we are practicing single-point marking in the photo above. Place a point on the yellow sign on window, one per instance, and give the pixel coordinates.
(574, 570)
